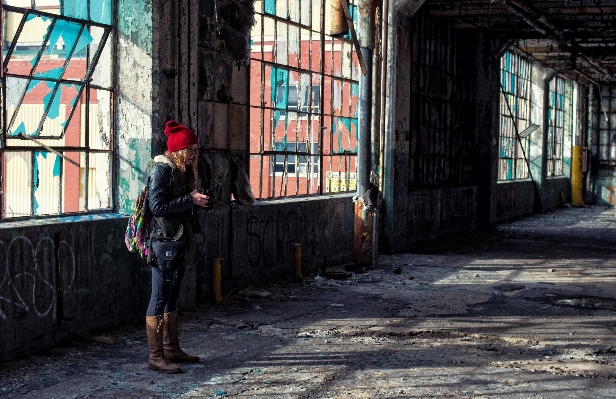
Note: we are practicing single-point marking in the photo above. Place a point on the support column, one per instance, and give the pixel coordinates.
(365, 36)
(577, 192)
(362, 248)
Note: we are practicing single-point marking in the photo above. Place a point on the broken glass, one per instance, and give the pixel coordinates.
(59, 54)
(46, 183)
(17, 190)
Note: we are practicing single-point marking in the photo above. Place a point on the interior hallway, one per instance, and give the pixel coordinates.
(526, 311)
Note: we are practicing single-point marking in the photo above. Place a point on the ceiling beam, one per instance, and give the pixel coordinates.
(577, 12)
(542, 24)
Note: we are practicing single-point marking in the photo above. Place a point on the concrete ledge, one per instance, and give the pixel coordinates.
(514, 199)
(259, 247)
(9, 224)
(603, 190)
(66, 276)
(429, 214)
(553, 187)
(72, 275)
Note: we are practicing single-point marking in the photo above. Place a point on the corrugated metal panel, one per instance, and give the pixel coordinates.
(30, 115)
(17, 187)
(46, 183)
(34, 30)
(99, 181)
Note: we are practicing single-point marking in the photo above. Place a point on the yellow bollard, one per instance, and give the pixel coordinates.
(217, 280)
(297, 262)
(577, 176)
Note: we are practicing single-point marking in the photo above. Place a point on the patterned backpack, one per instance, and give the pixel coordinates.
(138, 229)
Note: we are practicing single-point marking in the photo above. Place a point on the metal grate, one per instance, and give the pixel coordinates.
(56, 144)
(514, 116)
(303, 98)
(439, 105)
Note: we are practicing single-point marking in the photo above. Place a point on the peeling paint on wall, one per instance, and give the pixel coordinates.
(134, 99)
(135, 23)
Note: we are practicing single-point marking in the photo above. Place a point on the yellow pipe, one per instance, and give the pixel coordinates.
(297, 262)
(577, 176)
(217, 280)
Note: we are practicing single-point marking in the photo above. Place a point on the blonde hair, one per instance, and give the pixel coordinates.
(187, 174)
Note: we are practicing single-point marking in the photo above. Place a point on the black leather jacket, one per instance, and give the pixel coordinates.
(167, 196)
(170, 206)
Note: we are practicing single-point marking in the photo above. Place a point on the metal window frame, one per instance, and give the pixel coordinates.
(514, 113)
(84, 85)
(316, 112)
(556, 126)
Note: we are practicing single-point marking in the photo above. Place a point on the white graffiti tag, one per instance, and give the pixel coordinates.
(28, 275)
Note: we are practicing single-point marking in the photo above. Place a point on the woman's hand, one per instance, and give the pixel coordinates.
(199, 199)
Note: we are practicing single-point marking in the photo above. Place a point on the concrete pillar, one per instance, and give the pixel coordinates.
(176, 91)
(486, 127)
(363, 221)
(389, 153)
(365, 36)
(538, 156)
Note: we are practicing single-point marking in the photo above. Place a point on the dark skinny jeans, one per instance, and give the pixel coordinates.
(165, 289)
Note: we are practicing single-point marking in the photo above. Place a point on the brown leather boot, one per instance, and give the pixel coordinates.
(171, 340)
(157, 360)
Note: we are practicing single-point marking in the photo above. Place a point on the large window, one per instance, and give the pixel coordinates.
(514, 117)
(604, 129)
(57, 138)
(303, 98)
(556, 126)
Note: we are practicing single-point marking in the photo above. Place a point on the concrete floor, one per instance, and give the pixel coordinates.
(523, 312)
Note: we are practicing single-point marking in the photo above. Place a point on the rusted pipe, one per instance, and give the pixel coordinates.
(217, 280)
(297, 263)
(338, 26)
(384, 60)
(366, 40)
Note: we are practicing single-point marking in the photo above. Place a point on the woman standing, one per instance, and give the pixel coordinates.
(173, 194)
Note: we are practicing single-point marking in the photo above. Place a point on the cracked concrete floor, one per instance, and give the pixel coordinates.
(526, 311)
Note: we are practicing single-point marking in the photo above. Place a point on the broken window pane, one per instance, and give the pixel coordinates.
(52, 104)
(292, 99)
(46, 183)
(99, 181)
(101, 76)
(99, 120)
(73, 182)
(25, 46)
(18, 188)
(515, 116)
(100, 11)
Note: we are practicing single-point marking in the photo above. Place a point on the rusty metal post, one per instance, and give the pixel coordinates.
(362, 242)
(217, 280)
(362, 247)
(365, 36)
(339, 26)
(297, 263)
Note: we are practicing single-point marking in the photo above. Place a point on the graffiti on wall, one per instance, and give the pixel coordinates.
(270, 240)
(29, 275)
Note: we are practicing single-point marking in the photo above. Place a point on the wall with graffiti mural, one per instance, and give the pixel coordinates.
(255, 243)
(60, 279)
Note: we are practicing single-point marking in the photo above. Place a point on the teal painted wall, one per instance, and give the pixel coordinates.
(134, 103)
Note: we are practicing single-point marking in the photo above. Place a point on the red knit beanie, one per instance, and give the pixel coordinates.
(179, 136)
